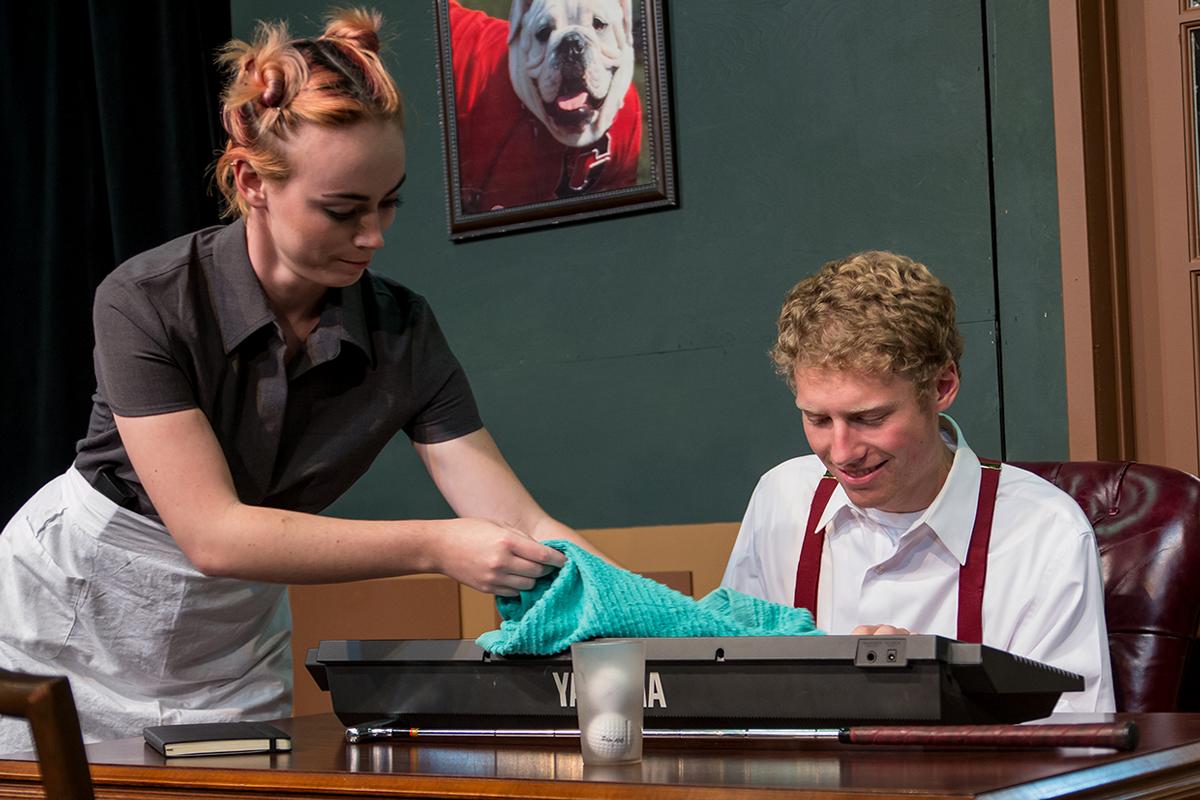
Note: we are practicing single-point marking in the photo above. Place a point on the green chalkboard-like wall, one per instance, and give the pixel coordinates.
(621, 364)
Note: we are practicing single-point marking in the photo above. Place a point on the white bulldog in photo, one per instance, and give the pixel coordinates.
(571, 63)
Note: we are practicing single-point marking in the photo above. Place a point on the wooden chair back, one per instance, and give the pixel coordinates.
(47, 702)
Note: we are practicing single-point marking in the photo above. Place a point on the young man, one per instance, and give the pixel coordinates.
(877, 532)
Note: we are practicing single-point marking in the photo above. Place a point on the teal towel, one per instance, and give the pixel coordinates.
(589, 598)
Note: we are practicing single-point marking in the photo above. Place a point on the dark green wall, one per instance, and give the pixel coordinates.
(622, 365)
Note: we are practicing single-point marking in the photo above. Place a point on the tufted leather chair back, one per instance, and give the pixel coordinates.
(1147, 522)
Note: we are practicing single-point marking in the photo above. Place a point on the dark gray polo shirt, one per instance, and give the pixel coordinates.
(187, 325)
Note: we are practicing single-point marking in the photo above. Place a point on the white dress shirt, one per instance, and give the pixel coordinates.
(1043, 598)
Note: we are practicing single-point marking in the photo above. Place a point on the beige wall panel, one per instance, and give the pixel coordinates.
(412, 607)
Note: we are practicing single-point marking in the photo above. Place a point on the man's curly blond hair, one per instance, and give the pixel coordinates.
(874, 312)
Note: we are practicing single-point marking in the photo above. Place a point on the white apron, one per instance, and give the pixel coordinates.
(104, 595)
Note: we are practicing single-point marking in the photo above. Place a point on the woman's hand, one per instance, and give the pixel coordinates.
(493, 558)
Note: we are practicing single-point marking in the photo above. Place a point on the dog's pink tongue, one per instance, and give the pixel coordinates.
(572, 103)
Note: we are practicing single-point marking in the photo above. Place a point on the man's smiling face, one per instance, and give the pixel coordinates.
(876, 435)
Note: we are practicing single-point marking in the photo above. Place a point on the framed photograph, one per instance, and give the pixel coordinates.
(553, 111)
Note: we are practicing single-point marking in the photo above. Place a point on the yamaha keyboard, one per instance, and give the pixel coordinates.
(759, 682)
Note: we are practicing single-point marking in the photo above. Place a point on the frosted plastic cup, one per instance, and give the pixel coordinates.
(610, 675)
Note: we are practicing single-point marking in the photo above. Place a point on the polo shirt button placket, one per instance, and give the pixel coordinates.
(277, 393)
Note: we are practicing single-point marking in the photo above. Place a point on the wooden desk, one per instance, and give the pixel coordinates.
(1166, 763)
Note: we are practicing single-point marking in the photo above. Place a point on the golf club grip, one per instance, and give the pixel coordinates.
(1117, 735)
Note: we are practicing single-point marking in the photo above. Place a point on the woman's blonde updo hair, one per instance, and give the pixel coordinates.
(277, 84)
(874, 312)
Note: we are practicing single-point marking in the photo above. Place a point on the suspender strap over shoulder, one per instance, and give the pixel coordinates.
(973, 574)
(808, 572)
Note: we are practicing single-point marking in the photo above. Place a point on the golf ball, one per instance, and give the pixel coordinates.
(608, 687)
(610, 736)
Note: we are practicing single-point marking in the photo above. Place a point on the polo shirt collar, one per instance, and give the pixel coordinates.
(354, 315)
(242, 307)
(951, 515)
(343, 319)
(238, 297)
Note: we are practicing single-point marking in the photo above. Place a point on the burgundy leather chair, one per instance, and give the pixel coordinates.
(1147, 522)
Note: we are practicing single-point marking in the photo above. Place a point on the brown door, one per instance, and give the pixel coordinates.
(1157, 44)
(1125, 129)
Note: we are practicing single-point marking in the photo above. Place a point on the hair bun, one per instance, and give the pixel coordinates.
(277, 83)
(272, 96)
(356, 26)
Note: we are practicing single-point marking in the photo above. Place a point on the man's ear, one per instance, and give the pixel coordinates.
(945, 387)
(250, 184)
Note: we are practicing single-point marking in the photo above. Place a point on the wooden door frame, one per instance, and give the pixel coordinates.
(1091, 191)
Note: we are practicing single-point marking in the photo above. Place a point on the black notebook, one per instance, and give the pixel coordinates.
(216, 738)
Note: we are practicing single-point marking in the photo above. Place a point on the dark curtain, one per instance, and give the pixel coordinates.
(110, 124)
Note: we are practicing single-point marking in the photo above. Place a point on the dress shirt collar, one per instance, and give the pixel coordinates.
(242, 307)
(951, 515)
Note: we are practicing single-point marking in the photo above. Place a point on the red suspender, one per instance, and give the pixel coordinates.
(808, 572)
(971, 576)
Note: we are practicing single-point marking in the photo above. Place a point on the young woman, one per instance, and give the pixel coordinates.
(247, 375)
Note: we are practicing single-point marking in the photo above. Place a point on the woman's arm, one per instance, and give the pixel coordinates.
(476, 481)
(180, 464)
